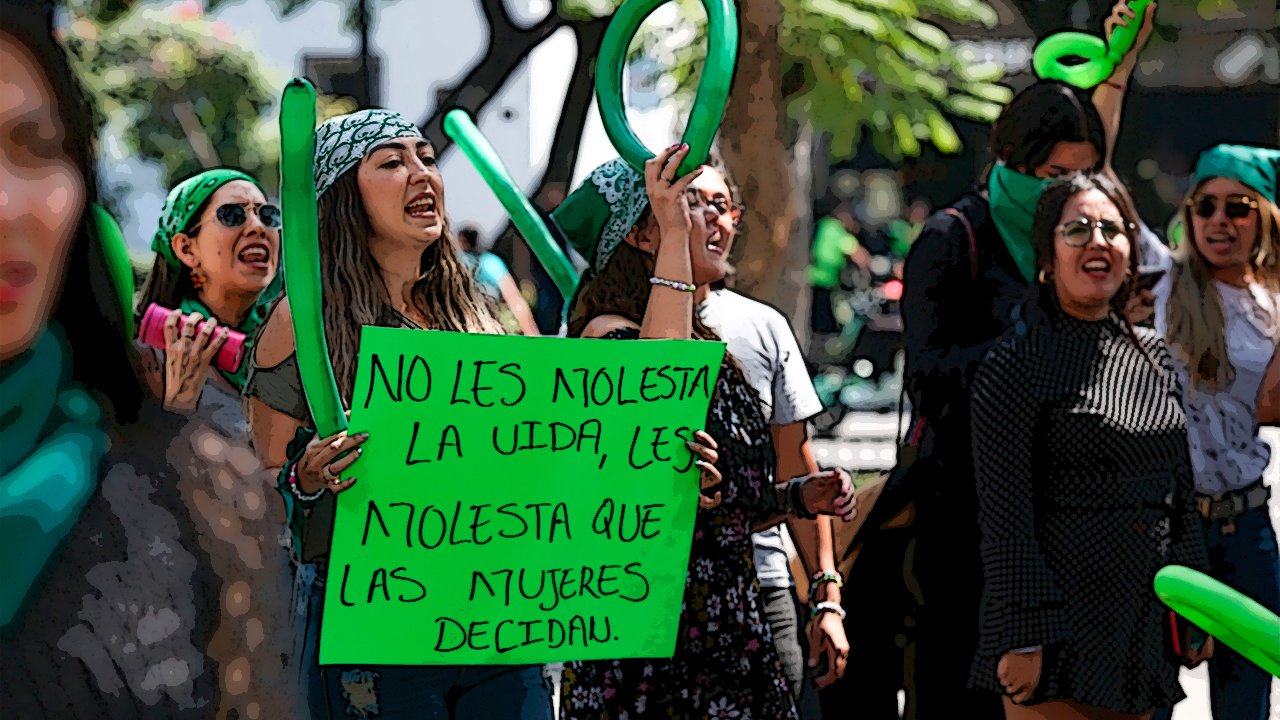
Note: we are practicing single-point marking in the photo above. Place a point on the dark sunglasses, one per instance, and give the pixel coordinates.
(233, 215)
(1236, 207)
(722, 206)
(1079, 232)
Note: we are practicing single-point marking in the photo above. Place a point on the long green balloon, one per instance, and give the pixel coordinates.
(713, 89)
(1228, 615)
(459, 126)
(300, 233)
(1100, 56)
(116, 254)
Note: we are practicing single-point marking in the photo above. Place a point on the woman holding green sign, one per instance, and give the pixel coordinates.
(387, 258)
(656, 249)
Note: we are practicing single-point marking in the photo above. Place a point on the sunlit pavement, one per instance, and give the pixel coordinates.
(866, 441)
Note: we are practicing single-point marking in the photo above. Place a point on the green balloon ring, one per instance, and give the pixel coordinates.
(459, 126)
(713, 89)
(116, 253)
(300, 234)
(1100, 56)
(1241, 622)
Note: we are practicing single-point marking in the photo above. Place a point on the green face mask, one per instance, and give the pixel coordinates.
(1014, 197)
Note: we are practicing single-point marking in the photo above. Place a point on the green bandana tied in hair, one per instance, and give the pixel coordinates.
(1259, 168)
(183, 201)
(597, 216)
(342, 141)
(1014, 197)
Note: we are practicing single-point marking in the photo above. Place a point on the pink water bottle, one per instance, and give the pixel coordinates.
(152, 333)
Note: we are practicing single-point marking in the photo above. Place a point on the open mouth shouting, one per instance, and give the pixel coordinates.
(256, 254)
(422, 207)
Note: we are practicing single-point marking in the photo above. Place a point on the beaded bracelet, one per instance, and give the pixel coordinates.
(826, 576)
(296, 489)
(827, 607)
(673, 284)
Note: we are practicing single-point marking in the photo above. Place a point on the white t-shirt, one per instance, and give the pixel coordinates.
(1227, 452)
(761, 340)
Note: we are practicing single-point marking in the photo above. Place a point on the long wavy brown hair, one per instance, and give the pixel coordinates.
(355, 294)
(622, 288)
(1196, 322)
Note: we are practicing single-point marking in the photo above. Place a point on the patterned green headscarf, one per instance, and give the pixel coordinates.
(183, 201)
(342, 141)
(597, 216)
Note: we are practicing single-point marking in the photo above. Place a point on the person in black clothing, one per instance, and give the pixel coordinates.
(970, 267)
(1083, 477)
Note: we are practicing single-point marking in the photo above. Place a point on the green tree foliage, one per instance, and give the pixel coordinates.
(850, 66)
(180, 90)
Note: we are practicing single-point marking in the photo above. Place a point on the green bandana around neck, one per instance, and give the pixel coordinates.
(1256, 167)
(597, 216)
(50, 447)
(183, 201)
(1014, 197)
(341, 142)
(248, 326)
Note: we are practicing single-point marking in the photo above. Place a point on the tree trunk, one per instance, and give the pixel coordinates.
(755, 140)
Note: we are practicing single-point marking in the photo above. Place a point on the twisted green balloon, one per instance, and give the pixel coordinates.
(119, 267)
(1228, 615)
(458, 125)
(1101, 57)
(713, 88)
(300, 234)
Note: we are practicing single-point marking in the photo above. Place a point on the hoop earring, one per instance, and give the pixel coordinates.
(1043, 277)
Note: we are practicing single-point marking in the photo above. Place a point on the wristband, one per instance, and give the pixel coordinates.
(296, 489)
(796, 492)
(827, 607)
(821, 578)
(673, 284)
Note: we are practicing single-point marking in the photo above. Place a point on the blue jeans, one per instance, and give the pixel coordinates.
(1247, 561)
(396, 692)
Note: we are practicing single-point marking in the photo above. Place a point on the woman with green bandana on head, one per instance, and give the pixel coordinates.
(970, 267)
(217, 252)
(1220, 312)
(387, 258)
(127, 588)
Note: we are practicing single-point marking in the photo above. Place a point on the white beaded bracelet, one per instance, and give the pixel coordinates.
(673, 284)
(828, 607)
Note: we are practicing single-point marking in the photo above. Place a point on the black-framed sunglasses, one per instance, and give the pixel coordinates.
(1236, 207)
(1077, 233)
(697, 199)
(233, 215)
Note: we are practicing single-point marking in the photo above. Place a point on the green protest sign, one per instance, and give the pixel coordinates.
(521, 500)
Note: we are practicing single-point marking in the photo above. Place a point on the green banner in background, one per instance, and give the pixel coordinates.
(521, 500)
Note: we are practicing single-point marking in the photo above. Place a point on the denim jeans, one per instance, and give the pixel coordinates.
(1246, 561)
(401, 692)
(787, 622)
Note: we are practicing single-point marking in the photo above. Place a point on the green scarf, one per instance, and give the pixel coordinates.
(1014, 197)
(249, 326)
(50, 445)
(183, 201)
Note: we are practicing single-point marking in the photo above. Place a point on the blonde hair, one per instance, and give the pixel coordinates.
(1196, 331)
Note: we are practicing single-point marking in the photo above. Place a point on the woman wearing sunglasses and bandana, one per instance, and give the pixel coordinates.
(1220, 311)
(217, 252)
(1083, 480)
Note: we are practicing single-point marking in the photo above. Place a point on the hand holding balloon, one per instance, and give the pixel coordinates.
(713, 89)
(1125, 38)
(1239, 621)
